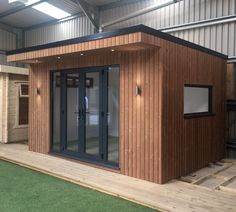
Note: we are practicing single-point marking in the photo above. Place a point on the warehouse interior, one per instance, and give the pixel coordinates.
(28, 26)
(209, 23)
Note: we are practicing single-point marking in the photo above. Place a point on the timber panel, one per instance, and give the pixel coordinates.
(140, 130)
(190, 144)
(132, 39)
(15, 133)
(156, 142)
(231, 81)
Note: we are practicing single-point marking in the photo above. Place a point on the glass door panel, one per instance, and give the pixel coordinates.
(91, 108)
(56, 104)
(86, 113)
(72, 112)
(113, 103)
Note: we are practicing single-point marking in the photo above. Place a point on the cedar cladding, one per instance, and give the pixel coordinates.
(140, 129)
(156, 142)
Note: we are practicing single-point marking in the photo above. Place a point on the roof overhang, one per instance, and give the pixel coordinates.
(128, 42)
(127, 39)
(13, 70)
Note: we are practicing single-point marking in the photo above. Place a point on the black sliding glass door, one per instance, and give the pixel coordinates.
(85, 109)
(71, 108)
(92, 113)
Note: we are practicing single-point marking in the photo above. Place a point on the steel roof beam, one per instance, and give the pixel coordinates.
(138, 13)
(118, 3)
(10, 28)
(80, 14)
(92, 12)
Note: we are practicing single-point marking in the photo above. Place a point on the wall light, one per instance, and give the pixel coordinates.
(37, 91)
(137, 90)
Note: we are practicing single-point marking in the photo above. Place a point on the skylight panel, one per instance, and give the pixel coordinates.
(51, 10)
(29, 2)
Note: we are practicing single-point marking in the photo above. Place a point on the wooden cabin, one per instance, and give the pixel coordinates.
(13, 104)
(136, 101)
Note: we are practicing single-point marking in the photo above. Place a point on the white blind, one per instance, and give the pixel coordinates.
(196, 100)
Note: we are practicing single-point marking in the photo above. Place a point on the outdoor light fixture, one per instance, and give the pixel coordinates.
(112, 50)
(137, 90)
(37, 91)
(51, 10)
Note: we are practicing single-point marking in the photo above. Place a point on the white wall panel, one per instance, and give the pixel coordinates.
(7, 42)
(3, 59)
(219, 37)
(60, 31)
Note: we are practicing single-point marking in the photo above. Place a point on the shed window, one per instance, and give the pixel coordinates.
(197, 99)
(24, 90)
(23, 104)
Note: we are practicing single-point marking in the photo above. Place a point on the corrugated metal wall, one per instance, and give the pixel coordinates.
(77, 27)
(219, 37)
(7, 42)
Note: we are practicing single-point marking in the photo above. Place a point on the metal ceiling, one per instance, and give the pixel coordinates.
(13, 14)
(6, 6)
(100, 2)
(25, 18)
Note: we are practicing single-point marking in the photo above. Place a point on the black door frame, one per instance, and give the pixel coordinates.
(102, 158)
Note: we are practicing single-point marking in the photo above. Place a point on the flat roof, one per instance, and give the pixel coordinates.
(123, 31)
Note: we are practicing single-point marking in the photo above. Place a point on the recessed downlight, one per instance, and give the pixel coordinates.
(81, 54)
(112, 50)
(58, 58)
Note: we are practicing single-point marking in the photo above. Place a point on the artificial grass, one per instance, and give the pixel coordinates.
(26, 190)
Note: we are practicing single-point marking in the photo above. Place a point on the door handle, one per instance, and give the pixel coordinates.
(78, 113)
(82, 114)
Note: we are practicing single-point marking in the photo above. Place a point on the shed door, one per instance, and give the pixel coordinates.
(89, 114)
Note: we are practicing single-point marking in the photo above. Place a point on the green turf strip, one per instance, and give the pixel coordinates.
(25, 190)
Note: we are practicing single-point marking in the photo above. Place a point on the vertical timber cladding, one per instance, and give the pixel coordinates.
(140, 123)
(230, 90)
(190, 144)
(39, 113)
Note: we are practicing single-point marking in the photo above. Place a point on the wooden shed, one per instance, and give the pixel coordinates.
(13, 104)
(136, 100)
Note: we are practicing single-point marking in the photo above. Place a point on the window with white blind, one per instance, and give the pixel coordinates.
(197, 99)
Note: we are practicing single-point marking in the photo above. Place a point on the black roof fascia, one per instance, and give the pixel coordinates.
(123, 31)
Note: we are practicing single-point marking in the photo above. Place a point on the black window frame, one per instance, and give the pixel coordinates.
(78, 156)
(22, 96)
(210, 102)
